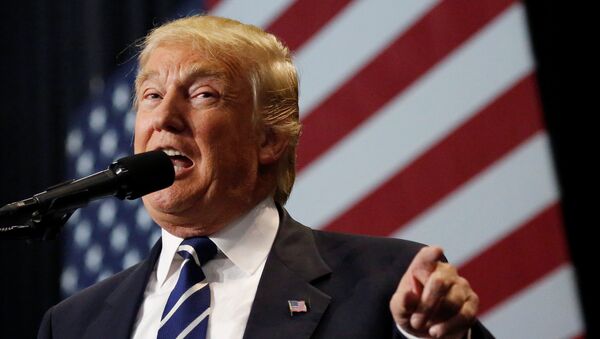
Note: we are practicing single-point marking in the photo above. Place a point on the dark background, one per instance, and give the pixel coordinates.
(51, 50)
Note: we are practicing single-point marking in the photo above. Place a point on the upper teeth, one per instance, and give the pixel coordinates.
(171, 152)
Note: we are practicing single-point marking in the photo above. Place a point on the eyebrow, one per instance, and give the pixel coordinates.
(192, 72)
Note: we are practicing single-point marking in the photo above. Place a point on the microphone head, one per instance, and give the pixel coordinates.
(143, 173)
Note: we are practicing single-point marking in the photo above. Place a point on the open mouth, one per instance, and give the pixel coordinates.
(180, 161)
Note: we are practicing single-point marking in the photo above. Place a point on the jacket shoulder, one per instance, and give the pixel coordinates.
(97, 292)
(70, 316)
(366, 248)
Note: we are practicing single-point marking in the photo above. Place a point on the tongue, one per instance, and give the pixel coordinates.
(181, 161)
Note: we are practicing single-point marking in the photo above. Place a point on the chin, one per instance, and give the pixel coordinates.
(165, 201)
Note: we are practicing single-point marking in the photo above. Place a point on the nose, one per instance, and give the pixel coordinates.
(170, 115)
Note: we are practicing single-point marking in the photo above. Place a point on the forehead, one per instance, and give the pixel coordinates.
(182, 63)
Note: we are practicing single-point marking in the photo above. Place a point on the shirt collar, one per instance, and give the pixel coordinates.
(246, 241)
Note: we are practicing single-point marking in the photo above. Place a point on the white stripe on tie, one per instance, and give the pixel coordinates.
(184, 296)
(193, 324)
(191, 251)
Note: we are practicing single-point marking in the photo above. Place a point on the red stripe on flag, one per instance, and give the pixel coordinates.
(400, 64)
(581, 336)
(303, 19)
(501, 126)
(519, 259)
(210, 4)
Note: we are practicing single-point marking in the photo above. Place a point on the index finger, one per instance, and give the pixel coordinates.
(425, 262)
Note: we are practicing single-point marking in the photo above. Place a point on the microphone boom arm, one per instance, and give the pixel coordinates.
(36, 218)
(44, 227)
(44, 214)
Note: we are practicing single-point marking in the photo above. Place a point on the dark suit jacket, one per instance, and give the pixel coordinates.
(347, 280)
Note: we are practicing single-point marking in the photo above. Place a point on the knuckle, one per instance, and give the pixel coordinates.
(474, 299)
(437, 284)
(463, 282)
(440, 281)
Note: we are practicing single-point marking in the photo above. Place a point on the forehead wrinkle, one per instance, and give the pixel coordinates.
(144, 75)
(186, 74)
(200, 70)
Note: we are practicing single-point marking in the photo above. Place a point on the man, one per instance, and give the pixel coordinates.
(221, 99)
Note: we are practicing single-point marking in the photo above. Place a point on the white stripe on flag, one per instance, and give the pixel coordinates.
(343, 46)
(547, 309)
(462, 84)
(500, 199)
(257, 12)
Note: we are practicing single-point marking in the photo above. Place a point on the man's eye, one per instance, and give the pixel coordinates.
(152, 96)
(206, 95)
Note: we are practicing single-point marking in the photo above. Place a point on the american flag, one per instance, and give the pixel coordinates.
(297, 306)
(421, 121)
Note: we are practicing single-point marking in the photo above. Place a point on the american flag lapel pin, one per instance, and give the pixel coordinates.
(297, 306)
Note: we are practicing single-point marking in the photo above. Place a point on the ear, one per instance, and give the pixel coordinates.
(272, 146)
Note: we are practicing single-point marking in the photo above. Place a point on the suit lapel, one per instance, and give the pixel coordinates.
(293, 263)
(119, 313)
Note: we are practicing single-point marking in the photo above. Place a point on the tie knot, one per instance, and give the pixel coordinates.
(199, 249)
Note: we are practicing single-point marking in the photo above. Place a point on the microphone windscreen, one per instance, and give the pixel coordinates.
(143, 173)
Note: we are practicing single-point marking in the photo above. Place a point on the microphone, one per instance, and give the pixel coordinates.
(129, 177)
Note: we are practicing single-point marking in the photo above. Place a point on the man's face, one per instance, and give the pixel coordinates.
(187, 108)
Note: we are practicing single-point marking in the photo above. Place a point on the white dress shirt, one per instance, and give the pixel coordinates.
(233, 275)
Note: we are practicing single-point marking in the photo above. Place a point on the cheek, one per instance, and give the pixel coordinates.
(229, 146)
(213, 132)
(141, 133)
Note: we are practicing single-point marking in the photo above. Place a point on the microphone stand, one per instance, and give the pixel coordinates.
(39, 226)
(42, 221)
(43, 215)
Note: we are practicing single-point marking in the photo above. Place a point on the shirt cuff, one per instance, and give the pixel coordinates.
(411, 336)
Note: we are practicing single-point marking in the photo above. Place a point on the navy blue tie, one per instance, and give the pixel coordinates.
(188, 307)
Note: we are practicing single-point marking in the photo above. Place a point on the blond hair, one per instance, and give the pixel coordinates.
(265, 63)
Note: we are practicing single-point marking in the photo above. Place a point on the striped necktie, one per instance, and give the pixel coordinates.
(187, 309)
